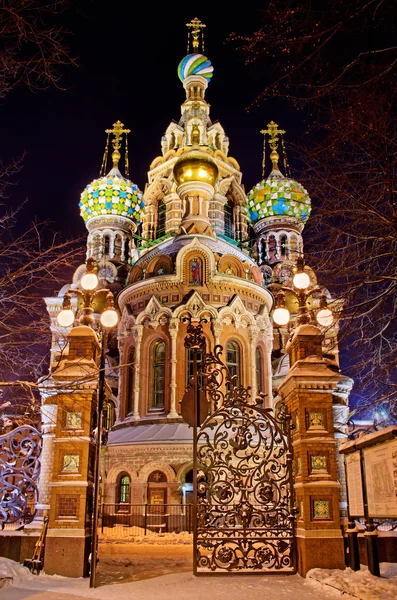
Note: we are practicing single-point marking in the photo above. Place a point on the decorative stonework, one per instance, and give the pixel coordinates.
(71, 463)
(321, 509)
(74, 420)
(318, 463)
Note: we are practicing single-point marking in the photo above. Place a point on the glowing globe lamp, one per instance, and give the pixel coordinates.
(325, 317)
(301, 280)
(281, 316)
(66, 317)
(109, 318)
(89, 281)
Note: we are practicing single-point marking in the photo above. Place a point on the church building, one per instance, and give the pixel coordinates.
(190, 245)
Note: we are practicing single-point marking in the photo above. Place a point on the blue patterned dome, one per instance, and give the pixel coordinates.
(111, 195)
(195, 64)
(278, 195)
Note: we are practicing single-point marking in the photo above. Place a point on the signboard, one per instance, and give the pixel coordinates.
(380, 463)
(354, 485)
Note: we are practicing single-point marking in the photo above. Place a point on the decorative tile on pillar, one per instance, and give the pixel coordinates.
(298, 465)
(318, 464)
(321, 509)
(315, 419)
(71, 463)
(301, 509)
(74, 420)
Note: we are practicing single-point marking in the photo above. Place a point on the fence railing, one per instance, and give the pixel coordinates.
(145, 519)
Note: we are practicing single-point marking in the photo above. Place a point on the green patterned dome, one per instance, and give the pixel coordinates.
(278, 195)
(111, 195)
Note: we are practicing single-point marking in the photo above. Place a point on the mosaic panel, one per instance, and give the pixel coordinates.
(321, 509)
(318, 463)
(71, 463)
(74, 420)
(316, 419)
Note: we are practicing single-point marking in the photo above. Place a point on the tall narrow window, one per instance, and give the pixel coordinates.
(283, 245)
(189, 363)
(108, 415)
(233, 361)
(124, 488)
(131, 380)
(259, 371)
(158, 362)
(106, 247)
(228, 220)
(160, 219)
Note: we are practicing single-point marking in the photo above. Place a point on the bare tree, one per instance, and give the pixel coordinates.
(336, 62)
(32, 44)
(32, 53)
(31, 265)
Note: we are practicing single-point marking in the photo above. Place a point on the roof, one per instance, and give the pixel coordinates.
(174, 433)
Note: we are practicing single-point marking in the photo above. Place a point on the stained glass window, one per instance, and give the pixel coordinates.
(158, 361)
(124, 488)
(131, 380)
(259, 370)
(161, 210)
(228, 220)
(233, 361)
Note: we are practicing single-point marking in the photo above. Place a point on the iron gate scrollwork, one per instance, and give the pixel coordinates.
(20, 451)
(245, 519)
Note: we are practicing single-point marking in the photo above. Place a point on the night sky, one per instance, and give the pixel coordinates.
(127, 69)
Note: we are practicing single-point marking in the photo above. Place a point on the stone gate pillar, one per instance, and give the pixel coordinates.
(71, 391)
(307, 391)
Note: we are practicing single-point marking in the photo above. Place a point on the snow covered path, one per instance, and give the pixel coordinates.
(321, 584)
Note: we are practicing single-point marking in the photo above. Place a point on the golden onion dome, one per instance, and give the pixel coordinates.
(195, 165)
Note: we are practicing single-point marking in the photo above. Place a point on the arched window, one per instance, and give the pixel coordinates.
(283, 245)
(108, 415)
(160, 218)
(106, 245)
(259, 370)
(158, 362)
(131, 380)
(124, 488)
(233, 361)
(228, 219)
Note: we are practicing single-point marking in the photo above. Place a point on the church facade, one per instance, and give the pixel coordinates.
(194, 246)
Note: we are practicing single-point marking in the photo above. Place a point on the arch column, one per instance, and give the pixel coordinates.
(252, 337)
(138, 336)
(173, 329)
(217, 330)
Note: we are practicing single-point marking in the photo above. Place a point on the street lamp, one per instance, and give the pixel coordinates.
(301, 282)
(108, 320)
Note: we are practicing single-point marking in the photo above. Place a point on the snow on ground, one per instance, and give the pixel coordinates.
(319, 584)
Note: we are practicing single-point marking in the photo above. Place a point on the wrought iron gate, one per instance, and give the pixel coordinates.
(243, 466)
(20, 451)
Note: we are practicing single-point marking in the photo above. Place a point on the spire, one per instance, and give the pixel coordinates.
(273, 132)
(195, 31)
(117, 131)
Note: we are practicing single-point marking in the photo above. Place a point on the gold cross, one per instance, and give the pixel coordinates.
(196, 26)
(118, 130)
(273, 131)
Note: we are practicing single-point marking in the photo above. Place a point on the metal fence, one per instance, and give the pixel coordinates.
(145, 519)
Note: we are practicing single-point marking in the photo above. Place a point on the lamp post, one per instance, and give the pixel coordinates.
(108, 319)
(301, 282)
